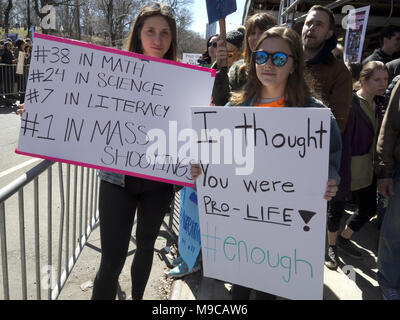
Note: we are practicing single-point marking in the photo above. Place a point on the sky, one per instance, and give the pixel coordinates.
(200, 18)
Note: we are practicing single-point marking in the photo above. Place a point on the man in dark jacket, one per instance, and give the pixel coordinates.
(332, 80)
(388, 172)
(390, 45)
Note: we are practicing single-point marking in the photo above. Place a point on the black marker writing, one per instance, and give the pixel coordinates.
(206, 139)
(47, 137)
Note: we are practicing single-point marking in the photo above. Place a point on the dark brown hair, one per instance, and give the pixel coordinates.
(134, 44)
(328, 11)
(296, 87)
(262, 21)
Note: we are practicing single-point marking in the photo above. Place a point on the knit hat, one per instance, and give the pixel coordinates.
(235, 37)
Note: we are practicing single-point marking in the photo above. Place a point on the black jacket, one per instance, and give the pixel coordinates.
(378, 55)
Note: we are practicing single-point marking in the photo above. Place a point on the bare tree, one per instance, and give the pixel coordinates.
(190, 42)
(116, 16)
(7, 16)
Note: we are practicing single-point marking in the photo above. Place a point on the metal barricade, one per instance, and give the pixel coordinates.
(28, 229)
(65, 212)
(13, 85)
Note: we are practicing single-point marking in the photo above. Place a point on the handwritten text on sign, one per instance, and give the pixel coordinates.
(265, 230)
(94, 106)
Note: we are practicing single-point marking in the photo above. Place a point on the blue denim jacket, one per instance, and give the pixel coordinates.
(335, 146)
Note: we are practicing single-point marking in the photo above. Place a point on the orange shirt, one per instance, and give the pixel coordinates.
(275, 103)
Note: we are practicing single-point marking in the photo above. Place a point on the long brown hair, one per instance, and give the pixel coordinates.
(296, 87)
(134, 44)
(262, 21)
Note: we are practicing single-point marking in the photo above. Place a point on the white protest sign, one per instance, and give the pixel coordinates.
(191, 58)
(357, 21)
(266, 229)
(94, 106)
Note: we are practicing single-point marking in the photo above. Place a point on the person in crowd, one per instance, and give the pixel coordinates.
(388, 172)
(393, 68)
(153, 34)
(233, 50)
(230, 53)
(338, 52)
(332, 80)
(276, 79)
(8, 56)
(382, 201)
(21, 85)
(241, 29)
(209, 55)
(236, 76)
(7, 73)
(390, 45)
(28, 51)
(358, 181)
(20, 46)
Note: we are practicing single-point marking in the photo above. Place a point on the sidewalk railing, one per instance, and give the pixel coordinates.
(45, 222)
(11, 83)
(55, 220)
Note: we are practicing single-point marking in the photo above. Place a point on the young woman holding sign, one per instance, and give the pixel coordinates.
(154, 35)
(276, 79)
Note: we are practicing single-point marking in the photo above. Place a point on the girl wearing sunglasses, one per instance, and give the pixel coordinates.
(276, 79)
(209, 55)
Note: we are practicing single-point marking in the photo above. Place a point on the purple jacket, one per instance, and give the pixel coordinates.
(357, 139)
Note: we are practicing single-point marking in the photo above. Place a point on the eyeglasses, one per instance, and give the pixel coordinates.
(278, 59)
(163, 7)
(213, 44)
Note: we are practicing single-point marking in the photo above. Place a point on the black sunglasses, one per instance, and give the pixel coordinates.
(278, 59)
(213, 44)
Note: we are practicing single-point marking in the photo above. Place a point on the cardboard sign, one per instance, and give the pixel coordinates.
(219, 9)
(189, 227)
(100, 107)
(260, 195)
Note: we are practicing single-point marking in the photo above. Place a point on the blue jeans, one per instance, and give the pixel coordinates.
(389, 242)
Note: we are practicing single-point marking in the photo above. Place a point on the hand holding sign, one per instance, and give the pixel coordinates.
(218, 10)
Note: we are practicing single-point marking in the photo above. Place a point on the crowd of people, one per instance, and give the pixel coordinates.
(266, 65)
(12, 85)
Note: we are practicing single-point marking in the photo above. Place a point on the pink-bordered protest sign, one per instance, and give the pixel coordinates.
(106, 109)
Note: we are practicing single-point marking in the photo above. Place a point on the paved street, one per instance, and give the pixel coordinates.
(9, 160)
